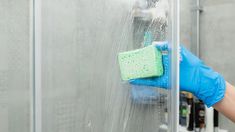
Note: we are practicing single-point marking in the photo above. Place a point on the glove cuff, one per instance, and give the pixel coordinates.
(220, 87)
(212, 87)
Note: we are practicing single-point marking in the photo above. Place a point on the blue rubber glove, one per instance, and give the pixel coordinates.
(195, 77)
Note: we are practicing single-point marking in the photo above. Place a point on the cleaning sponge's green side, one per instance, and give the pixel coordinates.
(141, 63)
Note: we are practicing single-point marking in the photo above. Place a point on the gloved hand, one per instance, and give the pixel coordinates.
(147, 95)
(195, 77)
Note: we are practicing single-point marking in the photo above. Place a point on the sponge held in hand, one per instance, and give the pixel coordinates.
(140, 63)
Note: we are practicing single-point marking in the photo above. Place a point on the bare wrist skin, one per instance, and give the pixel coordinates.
(227, 105)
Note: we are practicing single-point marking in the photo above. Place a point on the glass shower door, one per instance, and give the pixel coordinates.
(81, 89)
(16, 66)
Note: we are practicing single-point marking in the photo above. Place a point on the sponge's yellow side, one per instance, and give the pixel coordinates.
(141, 63)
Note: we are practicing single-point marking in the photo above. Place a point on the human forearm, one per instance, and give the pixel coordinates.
(227, 105)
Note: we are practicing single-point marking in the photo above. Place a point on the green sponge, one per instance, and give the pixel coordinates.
(140, 63)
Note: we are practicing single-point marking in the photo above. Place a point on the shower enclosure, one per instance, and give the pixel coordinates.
(59, 69)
